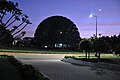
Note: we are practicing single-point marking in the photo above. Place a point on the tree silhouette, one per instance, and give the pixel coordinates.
(117, 50)
(9, 7)
(99, 46)
(5, 38)
(57, 30)
(112, 42)
(86, 46)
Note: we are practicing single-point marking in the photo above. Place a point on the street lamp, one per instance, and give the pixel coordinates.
(91, 15)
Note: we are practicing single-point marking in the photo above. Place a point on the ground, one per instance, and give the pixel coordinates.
(53, 68)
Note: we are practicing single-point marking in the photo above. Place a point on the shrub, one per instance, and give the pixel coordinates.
(117, 50)
(28, 72)
(99, 46)
(85, 45)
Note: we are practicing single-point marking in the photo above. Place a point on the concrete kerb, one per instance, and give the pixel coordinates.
(45, 77)
(73, 61)
(98, 65)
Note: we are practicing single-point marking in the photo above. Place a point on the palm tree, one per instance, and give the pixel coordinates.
(24, 20)
(16, 19)
(20, 35)
(27, 22)
(9, 7)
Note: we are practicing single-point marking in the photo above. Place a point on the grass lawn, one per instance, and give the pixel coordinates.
(105, 57)
(41, 51)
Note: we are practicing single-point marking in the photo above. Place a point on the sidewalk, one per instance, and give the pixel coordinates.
(97, 65)
(8, 71)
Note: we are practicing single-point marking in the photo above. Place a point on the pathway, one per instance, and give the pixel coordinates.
(51, 66)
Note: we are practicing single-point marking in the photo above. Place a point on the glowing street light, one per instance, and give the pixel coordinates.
(91, 15)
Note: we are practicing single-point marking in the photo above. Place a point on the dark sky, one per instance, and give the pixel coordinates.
(76, 10)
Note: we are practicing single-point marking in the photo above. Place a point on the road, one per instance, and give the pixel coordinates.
(52, 66)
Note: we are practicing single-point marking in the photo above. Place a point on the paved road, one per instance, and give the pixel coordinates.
(51, 66)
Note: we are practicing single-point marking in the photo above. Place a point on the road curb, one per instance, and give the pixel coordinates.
(98, 65)
(45, 77)
(73, 61)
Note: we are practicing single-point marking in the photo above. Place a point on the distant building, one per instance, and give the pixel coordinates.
(25, 42)
(17, 43)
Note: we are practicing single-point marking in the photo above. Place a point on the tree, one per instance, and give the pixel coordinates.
(57, 32)
(6, 38)
(99, 46)
(6, 8)
(86, 46)
(117, 50)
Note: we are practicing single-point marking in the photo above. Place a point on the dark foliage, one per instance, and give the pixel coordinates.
(55, 30)
(99, 45)
(117, 50)
(5, 36)
(85, 45)
(112, 42)
(8, 32)
(28, 72)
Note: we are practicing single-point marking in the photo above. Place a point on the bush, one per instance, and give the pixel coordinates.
(3, 56)
(99, 45)
(28, 72)
(117, 51)
(73, 57)
(85, 45)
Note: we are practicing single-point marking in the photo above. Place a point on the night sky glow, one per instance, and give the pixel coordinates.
(107, 11)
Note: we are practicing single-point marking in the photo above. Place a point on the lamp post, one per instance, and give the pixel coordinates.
(91, 15)
(96, 54)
